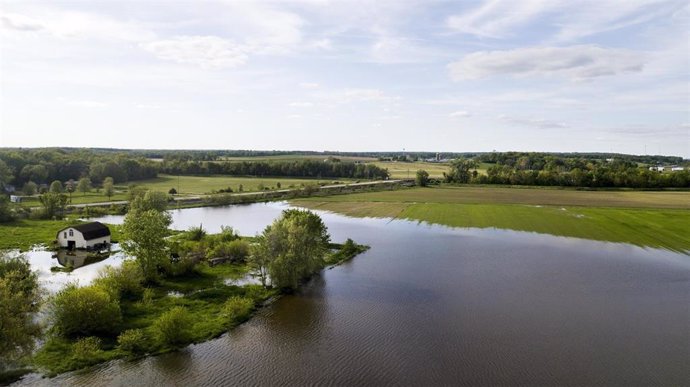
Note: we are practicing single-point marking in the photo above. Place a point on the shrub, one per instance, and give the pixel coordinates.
(181, 267)
(174, 327)
(237, 309)
(132, 341)
(237, 250)
(195, 233)
(122, 282)
(86, 349)
(147, 297)
(85, 311)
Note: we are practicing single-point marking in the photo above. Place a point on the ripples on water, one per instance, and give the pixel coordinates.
(431, 305)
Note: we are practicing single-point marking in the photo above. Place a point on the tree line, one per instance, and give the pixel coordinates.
(43, 166)
(540, 170)
(292, 168)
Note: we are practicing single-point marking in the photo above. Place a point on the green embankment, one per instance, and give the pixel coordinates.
(650, 219)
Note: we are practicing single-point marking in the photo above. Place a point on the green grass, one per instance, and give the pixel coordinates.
(197, 185)
(651, 219)
(80, 198)
(404, 170)
(22, 234)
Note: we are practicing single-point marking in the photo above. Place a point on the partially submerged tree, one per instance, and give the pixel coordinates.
(20, 296)
(291, 249)
(144, 231)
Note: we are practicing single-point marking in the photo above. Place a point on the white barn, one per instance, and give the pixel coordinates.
(84, 236)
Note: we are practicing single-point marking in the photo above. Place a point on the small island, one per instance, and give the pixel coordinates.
(177, 288)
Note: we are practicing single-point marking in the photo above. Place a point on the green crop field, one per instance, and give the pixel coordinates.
(653, 219)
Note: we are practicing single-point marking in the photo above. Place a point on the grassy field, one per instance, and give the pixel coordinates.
(402, 170)
(298, 157)
(654, 219)
(197, 185)
(22, 234)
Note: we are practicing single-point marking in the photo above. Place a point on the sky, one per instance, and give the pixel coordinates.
(528, 75)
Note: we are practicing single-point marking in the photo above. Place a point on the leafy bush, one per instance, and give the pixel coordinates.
(237, 309)
(174, 327)
(86, 349)
(132, 341)
(195, 233)
(237, 250)
(181, 267)
(85, 311)
(122, 282)
(147, 297)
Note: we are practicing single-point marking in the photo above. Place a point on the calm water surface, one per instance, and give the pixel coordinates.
(430, 305)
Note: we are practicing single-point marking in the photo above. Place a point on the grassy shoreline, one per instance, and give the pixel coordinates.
(657, 219)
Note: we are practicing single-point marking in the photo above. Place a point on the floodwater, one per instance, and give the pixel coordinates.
(431, 305)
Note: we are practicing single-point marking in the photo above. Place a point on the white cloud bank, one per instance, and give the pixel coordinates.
(575, 62)
(208, 52)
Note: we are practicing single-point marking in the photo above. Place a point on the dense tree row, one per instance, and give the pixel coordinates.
(43, 166)
(567, 161)
(295, 168)
(552, 171)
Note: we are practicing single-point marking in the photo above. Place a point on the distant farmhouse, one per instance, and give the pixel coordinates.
(94, 235)
(659, 168)
(677, 169)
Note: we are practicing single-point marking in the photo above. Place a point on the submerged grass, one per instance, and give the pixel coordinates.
(628, 216)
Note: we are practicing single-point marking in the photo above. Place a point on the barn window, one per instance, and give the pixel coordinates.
(71, 233)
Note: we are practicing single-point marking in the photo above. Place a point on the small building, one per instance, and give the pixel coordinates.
(15, 199)
(659, 168)
(94, 235)
(677, 169)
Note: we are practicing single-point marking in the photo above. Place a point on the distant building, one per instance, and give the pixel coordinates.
(677, 169)
(94, 235)
(659, 168)
(15, 199)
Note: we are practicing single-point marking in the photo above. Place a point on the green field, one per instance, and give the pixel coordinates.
(404, 170)
(24, 233)
(653, 219)
(198, 185)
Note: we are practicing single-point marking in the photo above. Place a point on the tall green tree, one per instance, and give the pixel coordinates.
(460, 170)
(53, 204)
(422, 178)
(292, 248)
(144, 231)
(30, 188)
(56, 187)
(108, 187)
(84, 185)
(20, 297)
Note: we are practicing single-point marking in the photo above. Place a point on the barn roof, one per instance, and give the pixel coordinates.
(91, 230)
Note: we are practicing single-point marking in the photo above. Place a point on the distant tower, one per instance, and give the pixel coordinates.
(438, 157)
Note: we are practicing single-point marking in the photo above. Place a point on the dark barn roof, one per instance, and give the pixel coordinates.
(92, 230)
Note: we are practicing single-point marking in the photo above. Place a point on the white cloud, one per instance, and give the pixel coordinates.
(497, 18)
(365, 95)
(20, 22)
(208, 52)
(301, 104)
(539, 123)
(459, 113)
(309, 85)
(574, 62)
(86, 103)
(564, 20)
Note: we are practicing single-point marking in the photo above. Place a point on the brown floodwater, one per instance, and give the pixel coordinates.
(431, 305)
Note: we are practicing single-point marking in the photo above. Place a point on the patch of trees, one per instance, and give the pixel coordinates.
(539, 160)
(20, 297)
(536, 169)
(295, 168)
(42, 166)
